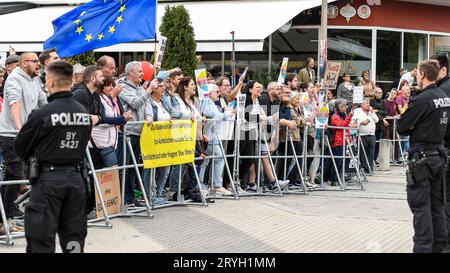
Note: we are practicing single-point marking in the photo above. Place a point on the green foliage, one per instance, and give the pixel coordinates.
(180, 49)
(264, 77)
(85, 59)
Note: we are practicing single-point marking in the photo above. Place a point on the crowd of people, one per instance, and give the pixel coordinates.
(278, 113)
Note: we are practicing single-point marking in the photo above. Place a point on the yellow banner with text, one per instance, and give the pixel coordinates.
(167, 143)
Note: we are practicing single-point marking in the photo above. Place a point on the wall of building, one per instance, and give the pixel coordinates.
(397, 14)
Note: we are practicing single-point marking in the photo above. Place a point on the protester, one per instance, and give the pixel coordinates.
(135, 99)
(291, 80)
(307, 74)
(211, 129)
(367, 84)
(378, 108)
(45, 58)
(77, 77)
(339, 119)
(345, 89)
(105, 137)
(254, 115)
(189, 110)
(291, 132)
(402, 101)
(22, 94)
(270, 101)
(160, 113)
(12, 61)
(366, 120)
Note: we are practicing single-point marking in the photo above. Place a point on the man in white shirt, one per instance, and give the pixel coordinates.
(366, 120)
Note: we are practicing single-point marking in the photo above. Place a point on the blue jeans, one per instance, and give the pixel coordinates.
(109, 157)
(161, 177)
(218, 165)
(405, 144)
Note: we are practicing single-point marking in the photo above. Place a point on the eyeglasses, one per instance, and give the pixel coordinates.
(34, 61)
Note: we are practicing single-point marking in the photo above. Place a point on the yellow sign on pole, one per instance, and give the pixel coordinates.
(167, 143)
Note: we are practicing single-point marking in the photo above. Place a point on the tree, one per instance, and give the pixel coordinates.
(180, 49)
(85, 59)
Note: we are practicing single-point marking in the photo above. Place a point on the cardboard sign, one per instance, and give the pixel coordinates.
(331, 75)
(306, 106)
(202, 83)
(283, 71)
(358, 94)
(160, 48)
(110, 191)
(322, 116)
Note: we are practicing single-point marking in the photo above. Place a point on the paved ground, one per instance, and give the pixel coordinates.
(375, 220)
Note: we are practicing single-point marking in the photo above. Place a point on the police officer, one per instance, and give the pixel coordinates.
(444, 84)
(425, 121)
(57, 134)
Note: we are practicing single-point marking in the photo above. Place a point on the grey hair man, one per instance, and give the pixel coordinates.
(136, 100)
(22, 94)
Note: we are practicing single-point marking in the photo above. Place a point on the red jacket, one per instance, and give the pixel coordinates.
(336, 120)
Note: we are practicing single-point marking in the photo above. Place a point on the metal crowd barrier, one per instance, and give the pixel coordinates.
(8, 238)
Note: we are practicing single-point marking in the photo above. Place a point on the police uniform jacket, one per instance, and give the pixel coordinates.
(426, 119)
(58, 132)
(444, 85)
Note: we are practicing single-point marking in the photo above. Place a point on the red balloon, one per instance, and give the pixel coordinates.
(148, 70)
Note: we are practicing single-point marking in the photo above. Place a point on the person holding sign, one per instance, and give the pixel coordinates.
(160, 113)
(254, 115)
(210, 110)
(188, 110)
(340, 119)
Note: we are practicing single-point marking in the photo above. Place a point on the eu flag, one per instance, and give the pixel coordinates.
(102, 23)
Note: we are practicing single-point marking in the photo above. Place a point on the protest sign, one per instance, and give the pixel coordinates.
(331, 75)
(358, 94)
(160, 48)
(305, 102)
(167, 143)
(110, 191)
(202, 83)
(322, 116)
(283, 71)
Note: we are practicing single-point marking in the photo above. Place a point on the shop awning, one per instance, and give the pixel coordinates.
(252, 22)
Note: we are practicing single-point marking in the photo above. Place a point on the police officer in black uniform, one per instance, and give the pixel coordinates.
(425, 121)
(55, 137)
(444, 84)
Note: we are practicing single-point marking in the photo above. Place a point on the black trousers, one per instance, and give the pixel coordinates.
(447, 208)
(14, 171)
(56, 206)
(425, 199)
(369, 146)
(294, 175)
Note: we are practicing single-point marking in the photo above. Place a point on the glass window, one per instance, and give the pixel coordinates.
(414, 50)
(388, 58)
(439, 45)
(351, 47)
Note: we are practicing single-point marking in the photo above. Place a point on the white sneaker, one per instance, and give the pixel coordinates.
(283, 183)
(223, 191)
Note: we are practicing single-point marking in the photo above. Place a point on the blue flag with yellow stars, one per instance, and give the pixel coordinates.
(102, 23)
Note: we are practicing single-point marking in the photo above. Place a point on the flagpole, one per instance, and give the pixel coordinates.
(154, 52)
